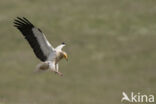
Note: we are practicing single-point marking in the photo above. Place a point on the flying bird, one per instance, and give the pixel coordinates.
(43, 50)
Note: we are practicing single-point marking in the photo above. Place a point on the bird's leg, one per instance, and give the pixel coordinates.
(59, 73)
(54, 68)
(57, 70)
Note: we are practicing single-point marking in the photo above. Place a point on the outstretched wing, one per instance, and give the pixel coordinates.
(37, 40)
(59, 48)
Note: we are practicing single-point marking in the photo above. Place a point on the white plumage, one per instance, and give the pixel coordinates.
(49, 55)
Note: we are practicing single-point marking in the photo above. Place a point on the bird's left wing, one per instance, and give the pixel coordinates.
(37, 40)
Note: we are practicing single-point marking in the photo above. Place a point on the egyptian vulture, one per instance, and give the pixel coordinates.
(43, 50)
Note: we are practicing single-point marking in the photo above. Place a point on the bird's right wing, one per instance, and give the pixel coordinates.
(59, 48)
(37, 40)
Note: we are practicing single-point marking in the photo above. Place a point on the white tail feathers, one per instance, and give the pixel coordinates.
(43, 66)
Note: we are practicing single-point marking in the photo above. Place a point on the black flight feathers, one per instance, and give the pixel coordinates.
(25, 27)
(21, 22)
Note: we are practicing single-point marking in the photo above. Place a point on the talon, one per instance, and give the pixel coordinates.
(59, 73)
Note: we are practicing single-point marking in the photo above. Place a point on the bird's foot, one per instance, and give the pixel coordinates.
(59, 73)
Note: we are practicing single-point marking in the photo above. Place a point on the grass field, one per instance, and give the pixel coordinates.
(111, 46)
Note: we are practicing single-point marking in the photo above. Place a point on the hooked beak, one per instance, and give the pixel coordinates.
(66, 57)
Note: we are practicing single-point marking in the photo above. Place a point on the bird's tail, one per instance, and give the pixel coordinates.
(42, 67)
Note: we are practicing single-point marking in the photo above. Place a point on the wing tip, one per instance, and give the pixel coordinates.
(63, 43)
(21, 21)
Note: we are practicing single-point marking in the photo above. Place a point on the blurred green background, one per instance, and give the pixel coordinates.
(111, 46)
